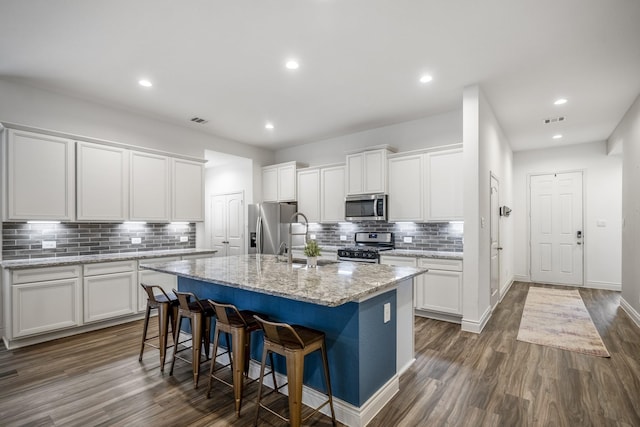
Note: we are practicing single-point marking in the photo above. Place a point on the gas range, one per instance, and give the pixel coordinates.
(368, 247)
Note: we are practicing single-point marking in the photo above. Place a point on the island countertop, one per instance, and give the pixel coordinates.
(330, 285)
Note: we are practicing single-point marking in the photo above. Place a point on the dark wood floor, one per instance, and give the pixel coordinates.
(459, 379)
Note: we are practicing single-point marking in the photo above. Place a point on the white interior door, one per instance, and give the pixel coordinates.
(556, 228)
(227, 224)
(494, 221)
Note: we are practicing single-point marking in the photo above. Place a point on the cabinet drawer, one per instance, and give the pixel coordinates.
(152, 260)
(440, 264)
(47, 273)
(109, 268)
(400, 261)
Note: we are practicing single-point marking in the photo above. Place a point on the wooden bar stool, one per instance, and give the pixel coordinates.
(238, 325)
(294, 343)
(167, 306)
(199, 314)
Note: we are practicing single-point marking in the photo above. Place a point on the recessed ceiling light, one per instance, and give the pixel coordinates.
(292, 64)
(558, 136)
(426, 78)
(269, 126)
(145, 83)
(560, 101)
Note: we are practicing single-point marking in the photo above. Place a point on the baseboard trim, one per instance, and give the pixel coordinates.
(505, 290)
(593, 284)
(631, 312)
(476, 326)
(407, 365)
(520, 278)
(438, 316)
(346, 413)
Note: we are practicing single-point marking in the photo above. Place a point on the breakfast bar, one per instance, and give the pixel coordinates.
(365, 310)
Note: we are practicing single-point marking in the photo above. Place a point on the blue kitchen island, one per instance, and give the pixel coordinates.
(365, 310)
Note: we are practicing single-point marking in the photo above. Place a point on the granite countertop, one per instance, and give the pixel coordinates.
(424, 254)
(331, 284)
(326, 248)
(16, 264)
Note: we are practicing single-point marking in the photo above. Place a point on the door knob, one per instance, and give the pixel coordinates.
(499, 248)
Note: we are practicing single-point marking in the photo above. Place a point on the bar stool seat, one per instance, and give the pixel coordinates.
(199, 315)
(238, 325)
(293, 342)
(167, 306)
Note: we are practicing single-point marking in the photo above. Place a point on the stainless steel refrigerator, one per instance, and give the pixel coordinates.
(269, 226)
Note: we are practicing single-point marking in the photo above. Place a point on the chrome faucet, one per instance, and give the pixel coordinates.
(281, 250)
(291, 233)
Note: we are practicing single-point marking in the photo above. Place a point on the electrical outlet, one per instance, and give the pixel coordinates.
(387, 312)
(343, 237)
(312, 236)
(184, 239)
(48, 244)
(408, 239)
(601, 223)
(136, 240)
(481, 222)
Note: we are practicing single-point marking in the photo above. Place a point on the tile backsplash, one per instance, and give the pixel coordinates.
(441, 236)
(24, 240)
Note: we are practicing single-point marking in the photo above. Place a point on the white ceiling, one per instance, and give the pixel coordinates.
(360, 61)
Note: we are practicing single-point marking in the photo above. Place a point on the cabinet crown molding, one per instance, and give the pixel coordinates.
(387, 147)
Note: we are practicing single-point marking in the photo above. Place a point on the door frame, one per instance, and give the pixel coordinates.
(209, 218)
(528, 219)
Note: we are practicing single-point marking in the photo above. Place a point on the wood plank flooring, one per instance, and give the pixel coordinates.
(459, 379)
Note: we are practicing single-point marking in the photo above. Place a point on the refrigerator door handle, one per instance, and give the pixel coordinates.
(259, 235)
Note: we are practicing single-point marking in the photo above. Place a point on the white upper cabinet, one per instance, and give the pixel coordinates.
(309, 193)
(150, 192)
(444, 185)
(102, 182)
(40, 177)
(332, 192)
(279, 182)
(367, 172)
(406, 188)
(188, 191)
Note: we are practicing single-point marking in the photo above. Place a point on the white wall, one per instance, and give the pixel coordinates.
(602, 179)
(48, 110)
(486, 151)
(432, 131)
(628, 132)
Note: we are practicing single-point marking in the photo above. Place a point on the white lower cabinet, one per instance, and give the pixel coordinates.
(440, 289)
(44, 300)
(167, 282)
(109, 290)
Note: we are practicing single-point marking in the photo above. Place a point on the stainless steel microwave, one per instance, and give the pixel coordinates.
(366, 207)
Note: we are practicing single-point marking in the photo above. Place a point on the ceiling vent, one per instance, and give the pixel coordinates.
(199, 120)
(554, 120)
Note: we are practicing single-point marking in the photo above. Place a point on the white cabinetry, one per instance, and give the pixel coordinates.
(44, 300)
(102, 182)
(40, 177)
(406, 188)
(440, 289)
(444, 180)
(167, 282)
(332, 193)
(149, 187)
(279, 182)
(309, 193)
(367, 172)
(109, 290)
(188, 191)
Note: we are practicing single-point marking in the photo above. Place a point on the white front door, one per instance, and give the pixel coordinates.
(556, 228)
(494, 221)
(227, 224)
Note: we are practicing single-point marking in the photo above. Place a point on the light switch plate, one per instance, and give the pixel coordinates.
(136, 240)
(601, 223)
(387, 312)
(48, 244)
(343, 238)
(184, 239)
(408, 239)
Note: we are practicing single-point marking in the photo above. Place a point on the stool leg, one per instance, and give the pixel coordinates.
(144, 330)
(163, 326)
(216, 335)
(260, 379)
(239, 338)
(176, 338)
(295, 369)
(273, 372)
(325, 364)
(196, 339)
(206, 322)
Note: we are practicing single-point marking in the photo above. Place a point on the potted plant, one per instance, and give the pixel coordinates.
(312, 252)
